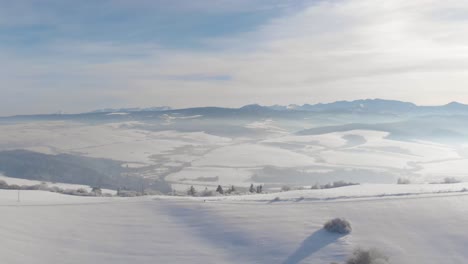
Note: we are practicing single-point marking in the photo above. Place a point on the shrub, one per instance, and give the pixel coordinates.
(70, 192)
(56, 189)
(338, 225)
(331, 185)
(148, 192)
(3, 184)
(207, 193)
(14, 187)
(31, 187)
(371, 256)
(96, 191)
(82, 191)
(338, 184)
(233, 190)
(125, 193)
(403, 181)
(277, 199)
(285, 188)
(451, 180)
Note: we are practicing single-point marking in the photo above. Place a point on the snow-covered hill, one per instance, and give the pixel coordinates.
(48, 228)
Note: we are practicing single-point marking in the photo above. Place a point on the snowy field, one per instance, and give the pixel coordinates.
(272, 155)
(52, 228)
(421, 222)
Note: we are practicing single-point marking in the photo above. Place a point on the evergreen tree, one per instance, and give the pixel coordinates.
(252, 188)
(191, 191)
(220, 189)
(259, 189)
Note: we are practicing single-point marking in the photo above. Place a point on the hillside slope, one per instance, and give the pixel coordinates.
(52, 228)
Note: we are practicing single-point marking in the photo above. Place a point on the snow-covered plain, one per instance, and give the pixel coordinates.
(117, 141)
(182, 157)
(52, 228)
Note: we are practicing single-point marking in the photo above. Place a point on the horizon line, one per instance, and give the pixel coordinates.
(112, 109)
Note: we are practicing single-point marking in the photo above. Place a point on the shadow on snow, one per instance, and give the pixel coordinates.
(241, 245)
(214, 229)
(311, 245)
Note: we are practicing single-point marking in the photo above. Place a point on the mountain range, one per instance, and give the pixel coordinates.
(365, 105)
(358, 107)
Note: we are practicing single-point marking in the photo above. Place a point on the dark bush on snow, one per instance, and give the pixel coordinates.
(403, 181)
(3, 184)
(207, 193)
(338, 225)
(336, 184)
(371, 256)
(276, 199)
(451, 180)
(126, 193)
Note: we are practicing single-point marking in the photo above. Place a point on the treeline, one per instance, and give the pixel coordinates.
(192, 191)
(335, 184)
(231, 190)
(72, 169)
(44, 187)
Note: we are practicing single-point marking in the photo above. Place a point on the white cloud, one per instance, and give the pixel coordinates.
(332, 50)
(335, 50)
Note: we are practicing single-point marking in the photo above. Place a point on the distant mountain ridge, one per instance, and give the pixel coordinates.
(363, 106)
(132, 109)
(376, 106)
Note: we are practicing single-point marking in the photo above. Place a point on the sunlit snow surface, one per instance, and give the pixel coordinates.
(53, 228)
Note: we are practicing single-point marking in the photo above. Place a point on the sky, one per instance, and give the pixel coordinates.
(77, 56)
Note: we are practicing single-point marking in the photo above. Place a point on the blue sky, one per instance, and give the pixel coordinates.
(74, 56)
(36, 27)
